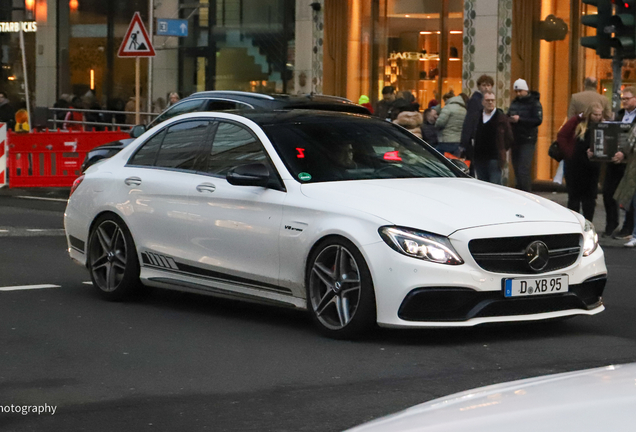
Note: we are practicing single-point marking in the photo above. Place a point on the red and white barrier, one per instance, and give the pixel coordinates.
(3, 154)
(52, 158)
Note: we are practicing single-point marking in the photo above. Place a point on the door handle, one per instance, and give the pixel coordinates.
(133, 181)
(206, 187)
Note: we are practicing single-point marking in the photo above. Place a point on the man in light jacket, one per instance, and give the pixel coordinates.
(450, 123)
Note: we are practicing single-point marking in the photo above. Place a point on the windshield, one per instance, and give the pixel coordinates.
(330, 149)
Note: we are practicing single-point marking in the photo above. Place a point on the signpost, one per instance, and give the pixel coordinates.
(136, 44)
(172, 27)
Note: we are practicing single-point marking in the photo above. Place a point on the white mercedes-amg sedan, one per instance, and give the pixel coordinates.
(350, 217)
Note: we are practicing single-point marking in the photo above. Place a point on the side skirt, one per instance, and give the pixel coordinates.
(165, 279)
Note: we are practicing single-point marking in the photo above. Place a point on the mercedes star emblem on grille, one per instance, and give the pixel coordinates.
(537, 255)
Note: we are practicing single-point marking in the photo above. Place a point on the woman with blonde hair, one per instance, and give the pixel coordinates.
(581, 174)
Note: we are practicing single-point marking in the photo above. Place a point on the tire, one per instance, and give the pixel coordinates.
(112, 259)
(340, 294)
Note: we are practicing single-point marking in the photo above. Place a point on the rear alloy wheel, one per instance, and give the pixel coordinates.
(113, 262)
(340, 293)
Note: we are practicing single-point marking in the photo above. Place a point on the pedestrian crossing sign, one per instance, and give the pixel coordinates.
(136, 43)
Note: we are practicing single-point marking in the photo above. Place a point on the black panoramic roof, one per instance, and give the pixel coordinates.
(283, 101)
(266, 118)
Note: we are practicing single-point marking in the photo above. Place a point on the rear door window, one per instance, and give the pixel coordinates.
(181, 147)
(147, 153)
(234, 145)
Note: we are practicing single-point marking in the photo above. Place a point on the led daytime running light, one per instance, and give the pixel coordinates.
(429, 247)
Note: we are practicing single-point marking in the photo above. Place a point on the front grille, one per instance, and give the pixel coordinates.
(444, 304)
(508, 254)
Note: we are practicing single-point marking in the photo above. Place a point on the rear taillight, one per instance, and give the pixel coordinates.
(76, 184)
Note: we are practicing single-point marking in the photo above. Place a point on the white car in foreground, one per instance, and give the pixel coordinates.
(350, 217)
(592, 400)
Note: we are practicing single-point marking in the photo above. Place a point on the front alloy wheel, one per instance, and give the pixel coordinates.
(113, 262)
(341, 297)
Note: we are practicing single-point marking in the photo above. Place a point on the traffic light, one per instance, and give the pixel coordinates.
(622, 25)
(602, 42)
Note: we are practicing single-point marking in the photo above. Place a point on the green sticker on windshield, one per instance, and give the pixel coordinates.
(304, 176)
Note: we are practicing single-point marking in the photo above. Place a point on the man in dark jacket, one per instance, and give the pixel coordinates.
(526, 115)
(384, 107)
(429, 132)
(492, 138)
(7, 113)
(615, 172)
(473, 112)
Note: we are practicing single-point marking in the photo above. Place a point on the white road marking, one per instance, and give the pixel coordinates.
(43, 198)
(30, 232)
(28, 287)
(88, 283)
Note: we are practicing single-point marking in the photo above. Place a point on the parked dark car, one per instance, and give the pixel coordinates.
(225, 100)
(104, 151)
(228, 101)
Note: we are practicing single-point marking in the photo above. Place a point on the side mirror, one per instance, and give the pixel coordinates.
(461, 165)
(256, 174)
(137, 131)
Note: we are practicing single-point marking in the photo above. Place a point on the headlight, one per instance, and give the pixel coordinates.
(420, 244)
(590, 238)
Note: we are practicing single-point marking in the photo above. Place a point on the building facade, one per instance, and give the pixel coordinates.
(340, 47)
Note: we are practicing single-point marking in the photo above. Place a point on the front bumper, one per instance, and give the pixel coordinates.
(463, 304)
(415, 293)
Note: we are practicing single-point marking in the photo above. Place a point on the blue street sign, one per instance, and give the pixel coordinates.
(172, 27)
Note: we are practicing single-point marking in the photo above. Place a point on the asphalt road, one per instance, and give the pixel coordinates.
(177, 361)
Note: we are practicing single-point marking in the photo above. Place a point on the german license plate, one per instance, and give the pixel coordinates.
(520, 287)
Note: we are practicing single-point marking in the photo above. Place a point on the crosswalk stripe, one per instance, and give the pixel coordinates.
(27, 287)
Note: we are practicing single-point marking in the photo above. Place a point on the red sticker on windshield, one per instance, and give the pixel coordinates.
(392, 156)
(301, 153)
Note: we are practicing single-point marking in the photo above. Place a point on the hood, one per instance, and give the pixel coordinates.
(456, 100)
(409, 119)
(566, 402)
(439, 205)
(532, 96)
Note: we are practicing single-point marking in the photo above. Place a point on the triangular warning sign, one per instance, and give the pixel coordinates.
(136, 43)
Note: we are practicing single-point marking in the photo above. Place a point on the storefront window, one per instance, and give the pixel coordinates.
(425, 48)
(89, 66)
(11, 67)
(238, 45)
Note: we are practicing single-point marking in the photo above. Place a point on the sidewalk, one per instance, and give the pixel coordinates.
(37, 192)
(558, 195)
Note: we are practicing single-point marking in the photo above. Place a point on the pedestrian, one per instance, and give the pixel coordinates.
(384, 106)
(449, 123)
(474, 110)
(615, 172)
(492, 138)
(173, 98)
(7, 113)
(429, 132)
(405, 101)
(625, 193)
(412, 121)
(581, 174)
(73, 121)
(159, 106)
(364, 101)
(526, 115)
(581, 100)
